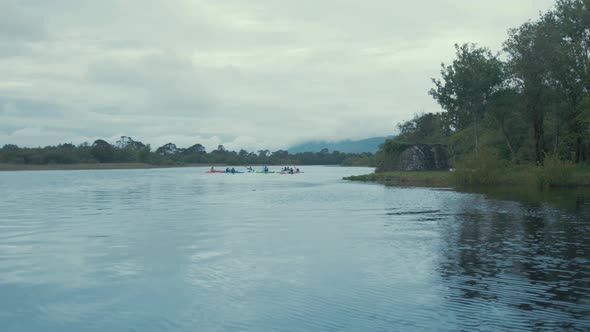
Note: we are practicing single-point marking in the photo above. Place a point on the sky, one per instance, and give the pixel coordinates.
(252, 74)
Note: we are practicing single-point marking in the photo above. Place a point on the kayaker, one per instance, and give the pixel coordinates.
(227, 170)
(297, 170)
(212, 169)
(290, 171)
(233, 170)
(265, 168)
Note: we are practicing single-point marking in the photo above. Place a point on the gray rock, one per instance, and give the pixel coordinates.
(417, 157)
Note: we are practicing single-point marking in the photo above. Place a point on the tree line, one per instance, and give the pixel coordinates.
(528, 100)
(127, 150)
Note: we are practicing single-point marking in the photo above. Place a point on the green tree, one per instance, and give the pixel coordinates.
(424, 128)
(530, 48)
(102, 151)
(144, 154)
(467, 84)
(503, 111)
(167, 149)
(570, 65)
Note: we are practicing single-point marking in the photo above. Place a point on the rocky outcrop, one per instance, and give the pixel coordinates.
(416, 157)
(424, 158)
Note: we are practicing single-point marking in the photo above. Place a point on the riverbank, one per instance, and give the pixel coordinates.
(99, 166)
(89, 166)
(517, 176)
(400, 178)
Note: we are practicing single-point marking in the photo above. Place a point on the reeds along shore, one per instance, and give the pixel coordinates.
(533, 177)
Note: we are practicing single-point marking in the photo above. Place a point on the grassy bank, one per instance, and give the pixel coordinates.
(426, 179)
(525, 176)
(55, 167)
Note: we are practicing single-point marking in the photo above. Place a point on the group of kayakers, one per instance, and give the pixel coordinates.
(286, 169)
(290, 170)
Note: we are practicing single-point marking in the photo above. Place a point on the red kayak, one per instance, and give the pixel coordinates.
(215, 171)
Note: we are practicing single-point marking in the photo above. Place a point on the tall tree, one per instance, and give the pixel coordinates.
(467, 84)
(530, 48)
(570, 65)
(167, 149)
(195, 149)
(102, 151)
(503, 111)
(423, 128)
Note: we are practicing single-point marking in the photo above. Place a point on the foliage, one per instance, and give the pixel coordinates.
(103, 151)
(126, 150)
(531, 101)
(554, 171)
(389, 153)
(530, 49)
(424, 128)
(362, 159)
(413, 178)
(479, 168)
(467, 85)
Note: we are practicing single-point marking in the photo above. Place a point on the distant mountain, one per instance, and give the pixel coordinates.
(349, 146)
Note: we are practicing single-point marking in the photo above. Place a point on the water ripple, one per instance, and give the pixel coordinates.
(181, 250)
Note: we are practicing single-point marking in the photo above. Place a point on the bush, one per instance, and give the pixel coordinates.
(482, 168)
(554, 172)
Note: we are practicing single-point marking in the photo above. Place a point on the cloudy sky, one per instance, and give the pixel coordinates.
(243, 73)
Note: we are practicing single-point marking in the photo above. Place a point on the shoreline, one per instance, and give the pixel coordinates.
(4, 167)
(517, 178)
(91, 166)
(438, 179)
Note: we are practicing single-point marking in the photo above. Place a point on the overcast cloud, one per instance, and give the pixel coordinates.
(243, 73)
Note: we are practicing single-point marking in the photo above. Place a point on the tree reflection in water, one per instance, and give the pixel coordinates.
(525, 264)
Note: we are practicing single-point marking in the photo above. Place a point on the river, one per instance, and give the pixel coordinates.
(181, 250)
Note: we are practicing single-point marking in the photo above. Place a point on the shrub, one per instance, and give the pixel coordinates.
(554, 171)
(482, 168)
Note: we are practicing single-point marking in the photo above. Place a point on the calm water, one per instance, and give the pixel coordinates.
(181, 250)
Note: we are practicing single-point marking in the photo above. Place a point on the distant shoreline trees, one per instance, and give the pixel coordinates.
(127, 150)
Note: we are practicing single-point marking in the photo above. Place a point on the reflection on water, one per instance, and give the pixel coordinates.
(526, 262)
(181, 250)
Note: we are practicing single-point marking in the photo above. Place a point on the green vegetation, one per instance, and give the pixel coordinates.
(127, 153)
(482, 168)
(401, 178)
(83, 166)
(523, 176)
(521, 116)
